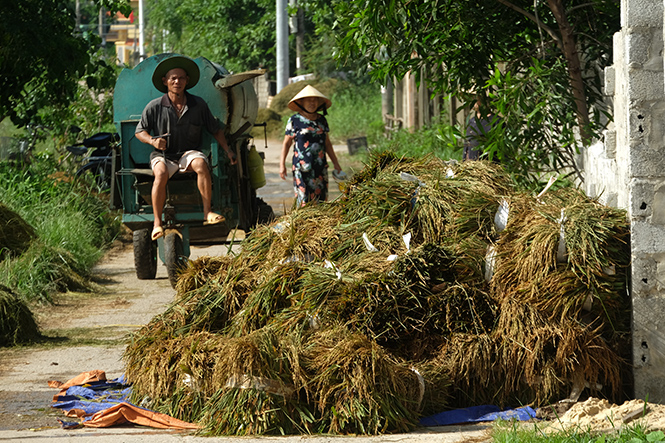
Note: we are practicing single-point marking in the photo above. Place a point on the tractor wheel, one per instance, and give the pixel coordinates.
(145, 255)
(261, 213)
(174, 256)
(265, 212)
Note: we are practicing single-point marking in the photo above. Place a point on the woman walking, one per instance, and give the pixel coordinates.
(307, 131)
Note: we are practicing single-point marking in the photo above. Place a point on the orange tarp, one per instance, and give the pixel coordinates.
(79, 380)
(128, 413)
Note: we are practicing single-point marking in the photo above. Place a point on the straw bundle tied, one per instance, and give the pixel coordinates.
(15, 233)
(17, 323)
(362, 314)
(565, 264)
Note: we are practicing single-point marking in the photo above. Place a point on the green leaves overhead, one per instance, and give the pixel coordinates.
(240, 34)
(458, 42)
(539, 64)
(41, 59)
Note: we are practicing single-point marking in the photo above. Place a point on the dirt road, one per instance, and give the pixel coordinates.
(89, 331)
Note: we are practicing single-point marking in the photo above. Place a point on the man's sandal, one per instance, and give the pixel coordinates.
(213, 219)
(157, 232)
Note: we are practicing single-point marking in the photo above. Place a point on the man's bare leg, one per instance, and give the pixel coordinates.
(204, 183)
(158, 195)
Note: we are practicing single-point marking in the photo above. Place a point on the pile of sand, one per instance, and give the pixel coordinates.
(599, 415)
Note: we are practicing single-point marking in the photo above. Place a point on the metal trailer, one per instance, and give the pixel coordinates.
(232, 99)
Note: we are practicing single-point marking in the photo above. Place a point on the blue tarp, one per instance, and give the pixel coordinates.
(94, 397)
(476, 414)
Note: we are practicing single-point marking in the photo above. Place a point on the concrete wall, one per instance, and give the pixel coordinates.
(627, 169)
(265, 89)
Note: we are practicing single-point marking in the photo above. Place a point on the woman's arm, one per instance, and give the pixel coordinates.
(331, 153)
(286, 145)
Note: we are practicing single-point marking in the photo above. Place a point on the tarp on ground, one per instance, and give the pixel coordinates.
(477, 414)
(101, 403)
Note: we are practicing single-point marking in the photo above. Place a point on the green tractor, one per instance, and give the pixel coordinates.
(232, 99)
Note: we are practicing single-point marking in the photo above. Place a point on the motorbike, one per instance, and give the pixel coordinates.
(96, 156)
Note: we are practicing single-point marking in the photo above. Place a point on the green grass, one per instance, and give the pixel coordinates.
(439, 140)
(73, 227)
(356, 112)
(517, 433)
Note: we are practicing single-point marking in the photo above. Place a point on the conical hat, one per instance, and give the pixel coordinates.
(177, 61)
(308, 91)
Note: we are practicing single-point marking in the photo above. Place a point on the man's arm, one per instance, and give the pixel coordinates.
(221, 139)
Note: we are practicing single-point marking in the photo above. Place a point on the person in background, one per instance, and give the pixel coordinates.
(172, 124)
(476, 131)
(307, 131)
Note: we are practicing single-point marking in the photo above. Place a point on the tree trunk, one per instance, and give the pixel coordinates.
(569, 49)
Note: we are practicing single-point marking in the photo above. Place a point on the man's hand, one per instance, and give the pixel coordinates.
(231, 156)
(159, 141)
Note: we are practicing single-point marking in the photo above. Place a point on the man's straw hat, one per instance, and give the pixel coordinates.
(177, 61)
(308, 91)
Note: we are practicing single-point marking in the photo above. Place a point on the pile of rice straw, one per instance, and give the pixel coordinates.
(17, 323)
(427, 286)
(15, 233)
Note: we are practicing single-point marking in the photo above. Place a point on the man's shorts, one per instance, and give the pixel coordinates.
(181, 165)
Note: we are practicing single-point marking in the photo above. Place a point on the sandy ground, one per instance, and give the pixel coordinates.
(125, 303)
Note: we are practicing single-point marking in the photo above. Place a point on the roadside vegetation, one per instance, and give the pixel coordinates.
(54, 231)
(515, 433)
(356, 112)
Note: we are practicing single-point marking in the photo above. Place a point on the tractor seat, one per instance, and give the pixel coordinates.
(148, 172)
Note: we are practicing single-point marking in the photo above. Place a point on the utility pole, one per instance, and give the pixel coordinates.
(282, 32)
(297, 26)
(100, 26)
(141, 33)
(78, 16)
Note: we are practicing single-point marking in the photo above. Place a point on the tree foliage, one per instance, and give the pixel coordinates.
(239, 34)
(460, 46)
(41, 58)
(321, 55)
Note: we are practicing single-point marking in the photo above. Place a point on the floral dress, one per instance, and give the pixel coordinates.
(310, 165)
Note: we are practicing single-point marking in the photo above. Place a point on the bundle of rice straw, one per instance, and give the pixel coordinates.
(17, 323)
(15, 233)
(363, 314)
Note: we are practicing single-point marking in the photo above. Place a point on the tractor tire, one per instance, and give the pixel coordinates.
(174, 257)
(145, 255)
(265, 212)
(262, 213)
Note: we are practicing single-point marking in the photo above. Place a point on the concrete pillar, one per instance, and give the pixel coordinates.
(640, 153)
(387, 105)
(282, 37)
